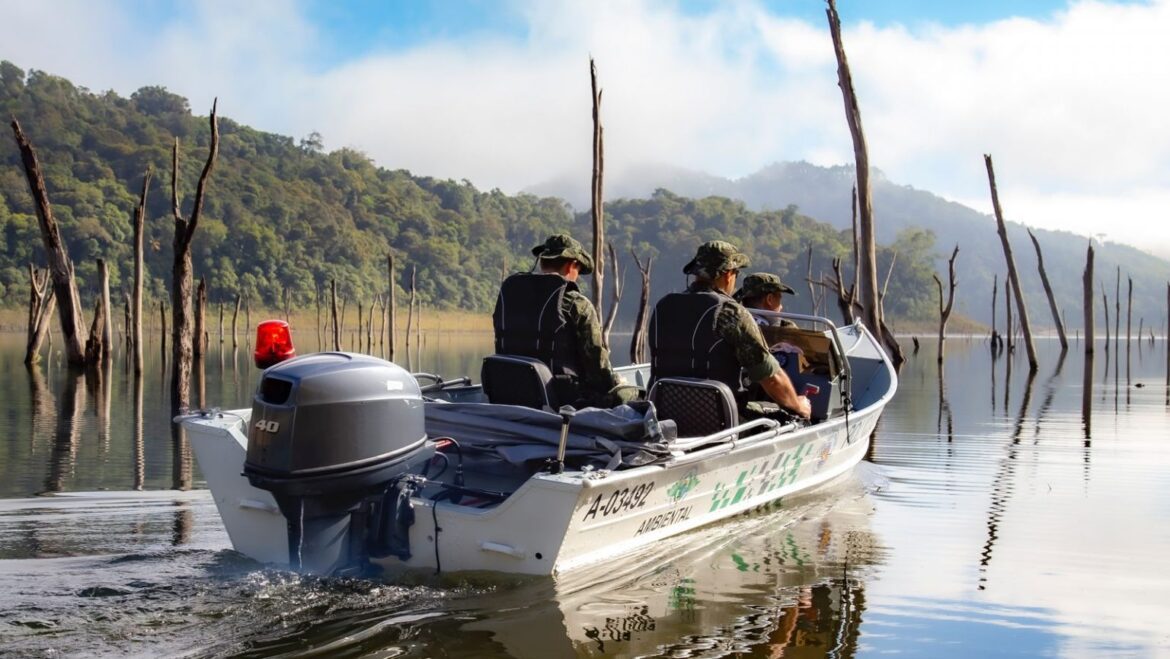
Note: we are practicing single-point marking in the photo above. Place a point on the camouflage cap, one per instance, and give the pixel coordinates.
(714, 257)
(762, 283)
(562, 245)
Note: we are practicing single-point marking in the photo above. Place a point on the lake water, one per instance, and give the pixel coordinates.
(998, 514)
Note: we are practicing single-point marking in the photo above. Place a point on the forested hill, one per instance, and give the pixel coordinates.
(281, 215)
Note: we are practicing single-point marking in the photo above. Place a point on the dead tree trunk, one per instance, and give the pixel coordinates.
(127, 322)
(41, 302)
(1033, 361)
(382, 329)
(107, 326)
(182, 275)
(944, 311)
(370, 330)
(1117, 313)
(221, 323)
(853, 291)
(199, 344)
(94, 347)
(638, 340)
(1048, 291)
(410, 311)
(162, 318)
(1129, 314)
(597, 212)
(59, 264)
(844, 300)
(995, 340)
(235, 317)
(870, 301)
(333, 315)
(361, 322)
(1105, 304)
(393, 304)
(318, 329)
(617, 297)
(139, 273)
(1009, 330)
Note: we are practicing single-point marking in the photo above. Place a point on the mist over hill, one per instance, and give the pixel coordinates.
(823, 193)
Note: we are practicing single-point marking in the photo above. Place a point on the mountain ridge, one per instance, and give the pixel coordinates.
(824, 193)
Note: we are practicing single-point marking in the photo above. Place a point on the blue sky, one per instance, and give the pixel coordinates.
(1063, 93)
(352, 28)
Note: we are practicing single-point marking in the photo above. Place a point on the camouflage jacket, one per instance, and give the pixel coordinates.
(736, 326)
(596, 379)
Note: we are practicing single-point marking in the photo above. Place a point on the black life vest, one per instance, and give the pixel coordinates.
(529, 321)
(683, 340)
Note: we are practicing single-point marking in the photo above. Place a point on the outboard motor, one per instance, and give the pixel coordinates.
(337, 438)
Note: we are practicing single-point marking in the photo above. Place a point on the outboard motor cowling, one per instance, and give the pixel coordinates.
(333, 436)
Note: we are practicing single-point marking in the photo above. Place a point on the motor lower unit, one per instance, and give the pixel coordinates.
(339, 440)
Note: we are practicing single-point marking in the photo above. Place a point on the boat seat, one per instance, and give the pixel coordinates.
(698, 407)
(518, 380)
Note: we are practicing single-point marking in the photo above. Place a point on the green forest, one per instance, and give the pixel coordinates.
(284, 218)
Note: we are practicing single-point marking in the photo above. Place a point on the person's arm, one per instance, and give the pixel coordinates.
(758, 364)
(780, 389)
(596, 372)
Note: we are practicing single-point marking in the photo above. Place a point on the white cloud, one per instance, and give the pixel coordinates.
(1069, 106)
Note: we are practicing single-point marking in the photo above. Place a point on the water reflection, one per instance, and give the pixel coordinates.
(67, 434)
(766, 584)
(1087, 400)
(961, 481)
(42, 403)
(1002, 485)
(137, 436)
(944, 407)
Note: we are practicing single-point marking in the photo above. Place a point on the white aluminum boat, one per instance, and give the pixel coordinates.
(479, 495)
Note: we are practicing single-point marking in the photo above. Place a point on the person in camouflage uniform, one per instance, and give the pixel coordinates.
(596, 383)
(715, 268)
(765, 291)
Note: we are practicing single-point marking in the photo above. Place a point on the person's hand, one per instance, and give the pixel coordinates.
(803, 407)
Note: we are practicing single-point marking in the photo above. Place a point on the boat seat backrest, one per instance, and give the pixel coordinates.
(698, 407)
(517, 380)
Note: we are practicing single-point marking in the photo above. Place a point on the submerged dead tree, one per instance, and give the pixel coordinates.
(182, 280)
(597, 212)
(1048, 291)
(107, 325)
(393, 304)
(1021, 308)
(333, 315)
(944, 310)
(638, 341)
(41, 304)
(996, 339)
(410, 311)
(199, 344)
(870, 301)
(59, 264)
(617, 297)
(1129, 314)
(139, 274)
(93, 345)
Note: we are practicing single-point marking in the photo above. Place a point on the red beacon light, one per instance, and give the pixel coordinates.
(273, 343)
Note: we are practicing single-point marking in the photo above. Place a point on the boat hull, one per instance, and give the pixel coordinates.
(555, 523)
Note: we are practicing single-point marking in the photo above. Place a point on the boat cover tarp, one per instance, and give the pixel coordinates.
(627, 435)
